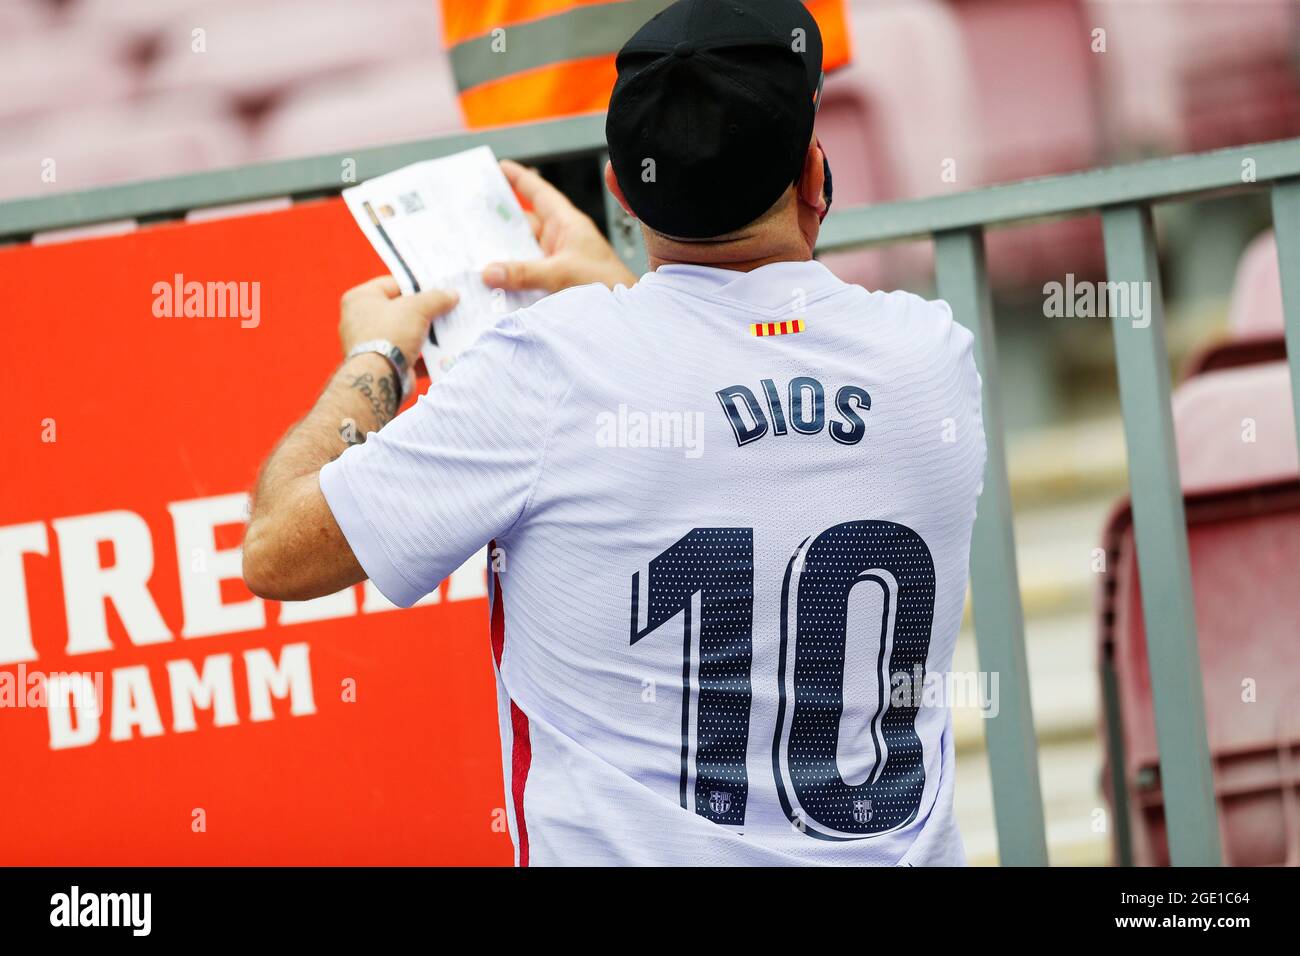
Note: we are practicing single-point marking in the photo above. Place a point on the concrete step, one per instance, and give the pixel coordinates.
(1052, 465)
(1063, 685)
(1077, 818)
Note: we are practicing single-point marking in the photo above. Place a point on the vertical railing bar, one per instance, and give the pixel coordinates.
(624, 231)
(1117, 758)
(1286, 229)
(1135, 304)
(995, 587)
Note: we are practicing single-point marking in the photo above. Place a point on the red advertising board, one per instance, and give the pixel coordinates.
(152, 711)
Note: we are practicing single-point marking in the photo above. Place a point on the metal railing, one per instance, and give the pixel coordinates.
(1123, 195)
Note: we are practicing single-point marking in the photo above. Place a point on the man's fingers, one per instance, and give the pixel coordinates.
(513, 276)
(536, 191)
(384, 285)
(380, 287)
(433, 303)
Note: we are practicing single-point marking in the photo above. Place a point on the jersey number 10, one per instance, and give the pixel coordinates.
(708, 577)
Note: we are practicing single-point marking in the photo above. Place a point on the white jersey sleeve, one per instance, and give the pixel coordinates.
(450, 473)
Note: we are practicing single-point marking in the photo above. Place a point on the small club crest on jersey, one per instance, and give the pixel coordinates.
(862, 811)
(719, 801)
(764, 329)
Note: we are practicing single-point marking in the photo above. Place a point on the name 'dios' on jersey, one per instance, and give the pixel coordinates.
(804, 410)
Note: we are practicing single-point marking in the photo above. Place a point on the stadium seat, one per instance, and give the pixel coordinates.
(98, 230)
(140, 19)
(1255, 315)
(891, 120)
(912, 93)
(1032, 80)
(257, 51)
(1256, 306)
(1172, 82)
(1241, 546)
(139, 140)
(1239, 77)
(18, 18)
(61, 69)
(1235, 428)
(409, 100)
(1234, 352)
(1025, 257)
(1237, 456)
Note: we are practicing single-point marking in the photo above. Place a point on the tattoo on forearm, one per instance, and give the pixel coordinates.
(382, 395)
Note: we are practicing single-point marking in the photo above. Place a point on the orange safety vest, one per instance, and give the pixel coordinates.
(518, 61)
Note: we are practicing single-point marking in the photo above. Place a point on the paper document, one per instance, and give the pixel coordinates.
(437, 224)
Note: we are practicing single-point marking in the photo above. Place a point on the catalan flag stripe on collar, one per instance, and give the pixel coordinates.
(776, 328)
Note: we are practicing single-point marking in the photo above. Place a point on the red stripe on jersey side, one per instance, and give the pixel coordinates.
(497, 613)
(520, 761)
(784, 328)
(521, 751)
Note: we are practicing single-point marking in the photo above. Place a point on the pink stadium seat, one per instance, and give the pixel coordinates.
(18, 18)
(137, 19)
(1243, 548)
(1255, 314)
(893, 118)
(1256, 306)
(1027, 256)
(1173, 81)
(1212, 413)
(409, 100)
(61, 69)
(99, 230)
(1032, 74)
(1252, 349)
(1243, 513)
(119, 143)
(909, 89)
(256, 51)
(1032, 80)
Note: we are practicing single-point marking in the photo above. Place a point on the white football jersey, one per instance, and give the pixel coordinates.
(730, 517)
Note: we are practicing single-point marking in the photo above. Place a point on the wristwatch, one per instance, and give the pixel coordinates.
(395, 358)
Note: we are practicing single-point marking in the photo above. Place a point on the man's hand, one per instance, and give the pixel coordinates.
(378, 310)
(576, 253)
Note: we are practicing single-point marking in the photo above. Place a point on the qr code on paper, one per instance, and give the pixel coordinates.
(411, 202)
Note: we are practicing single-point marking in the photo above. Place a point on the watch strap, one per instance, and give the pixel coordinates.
(405, 379)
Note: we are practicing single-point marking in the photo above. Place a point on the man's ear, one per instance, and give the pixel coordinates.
(611, 183)
(812, 181)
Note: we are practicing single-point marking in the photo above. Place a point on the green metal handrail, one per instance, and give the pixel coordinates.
(1123, 195)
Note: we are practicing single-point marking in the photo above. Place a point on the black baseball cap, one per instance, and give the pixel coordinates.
(712, 113)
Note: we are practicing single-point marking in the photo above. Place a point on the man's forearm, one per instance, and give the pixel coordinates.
(359, 399)
(290, 518)
(294, 549)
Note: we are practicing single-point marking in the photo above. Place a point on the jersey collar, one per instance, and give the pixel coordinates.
(771, 285)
